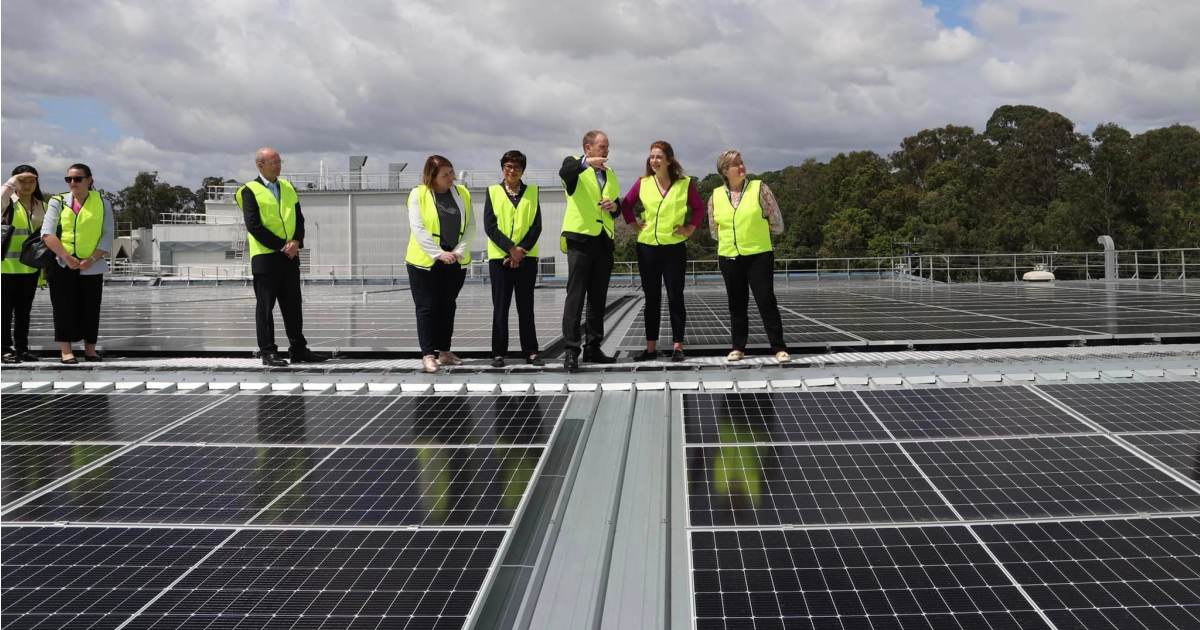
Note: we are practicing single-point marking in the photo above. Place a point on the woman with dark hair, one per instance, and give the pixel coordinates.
(743, 215)
(512, 219)
(666, 208)
(440, 225)
(24, 209)
(79, 230)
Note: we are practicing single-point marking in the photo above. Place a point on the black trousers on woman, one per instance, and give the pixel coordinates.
(746, 274)
(18, 290)
(76, 303)
(435, 294)
(661, 265)
(506, 281)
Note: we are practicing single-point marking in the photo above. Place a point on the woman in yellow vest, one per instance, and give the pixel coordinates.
(79, 230)
(512, 220)
(441, 226)
(743, 215)
(658, 204)
(24, 209)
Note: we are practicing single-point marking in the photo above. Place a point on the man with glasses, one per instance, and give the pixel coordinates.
(271, 209)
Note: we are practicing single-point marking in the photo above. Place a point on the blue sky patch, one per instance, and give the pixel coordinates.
(953, 13)
(83, 116)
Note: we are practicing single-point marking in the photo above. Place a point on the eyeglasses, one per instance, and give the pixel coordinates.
(512, 167)
(74, 179)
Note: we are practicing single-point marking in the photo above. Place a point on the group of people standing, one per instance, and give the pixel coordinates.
(77, 226)
(664, 206)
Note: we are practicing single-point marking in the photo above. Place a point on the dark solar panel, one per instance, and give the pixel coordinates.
(851, 579)
(410, 486)
(1180, 451)
(1128, 407)
(450, 420)
(1106, 575)
(16, 402)
(26, 468)
(101, 417)
(287, 419)
(332, 579)
(807, 484)
(778, 417)
(175, 484)
(1048, 477)
(969, 412)
(96, 577)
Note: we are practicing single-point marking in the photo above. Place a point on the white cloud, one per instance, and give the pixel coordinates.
(199, 86)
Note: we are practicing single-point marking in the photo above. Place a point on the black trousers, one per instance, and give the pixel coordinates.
(75, 299)
(663, 265)
(589, 266)
(18, 291)
(506, 280)
(277, 279)
(435, 295)
(755, 273)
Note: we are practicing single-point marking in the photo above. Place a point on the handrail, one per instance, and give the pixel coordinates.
(350, 181)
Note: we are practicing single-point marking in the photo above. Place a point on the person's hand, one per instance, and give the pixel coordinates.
(685, 230)
(72, 262)
(85, 263)
(516, 254)
(607, 205)
(596, 161)
(639, 224)
(24, 178)
(448, 257)
(291, 249)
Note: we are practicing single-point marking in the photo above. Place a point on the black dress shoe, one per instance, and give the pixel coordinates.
(571, 362)
(9, 358)
(304, 355)
(534, 359)
(271, 359)
(596, 355)
(26, 355)
(497, 361)
(92, 358)
(646, 355)
(677, 354)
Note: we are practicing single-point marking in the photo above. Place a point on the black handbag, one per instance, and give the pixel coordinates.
(7, 229)
(35, 253)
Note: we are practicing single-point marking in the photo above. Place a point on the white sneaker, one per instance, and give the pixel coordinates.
(782, 356)
(449, 358)
(735, 355)
(429, 364)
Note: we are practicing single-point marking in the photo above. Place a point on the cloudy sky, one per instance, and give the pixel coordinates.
(190, 89)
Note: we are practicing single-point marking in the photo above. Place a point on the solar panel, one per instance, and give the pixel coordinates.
(742, 485)
(16, 402)
(410, 486)
(1120, 407)
(174, 484)
(1180, 451)
(332, 579)
(288, 419)
(1110, 574)
(424, 420)
(96, 577)
(968, 412)
(723, 418)
(918, 577)
(26, 468)
(100, 417)
(1048, 477)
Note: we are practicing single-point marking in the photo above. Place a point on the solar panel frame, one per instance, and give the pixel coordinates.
(778, 417)
(968, 412)
(102, 418)
(1178, 451)
(1133, 407)
(501, 420)
(334, 419)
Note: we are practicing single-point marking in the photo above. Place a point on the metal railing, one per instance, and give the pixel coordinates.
(1152, 264)
(348, 181)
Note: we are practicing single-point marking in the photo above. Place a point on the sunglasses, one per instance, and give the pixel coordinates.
(74, 179)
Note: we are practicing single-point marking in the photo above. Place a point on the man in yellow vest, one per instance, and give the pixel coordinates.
(587, 240)
(275, 225)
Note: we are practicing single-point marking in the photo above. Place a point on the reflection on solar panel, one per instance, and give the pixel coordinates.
(74, 577)
(332, 579)
(808, 484)
(1180, 451)
(921, 577)
(410, 486)
(280, 420)
(1112, 574)
(174, 484)
(100, 417)
(30, 467)
(1121, 407)
(16, 402)
(424, 420)
(778, 417)
(1048, 477)
(968, 412)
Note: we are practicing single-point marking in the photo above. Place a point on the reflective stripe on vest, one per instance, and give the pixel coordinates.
(277, 215)
(584, 215)
(662, 215)
(81, 232)
(416, 255)
(22, 228)
(512, 221)
(741, 231)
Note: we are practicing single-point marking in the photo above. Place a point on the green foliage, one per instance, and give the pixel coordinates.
(141, 203)
(1028, 182)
